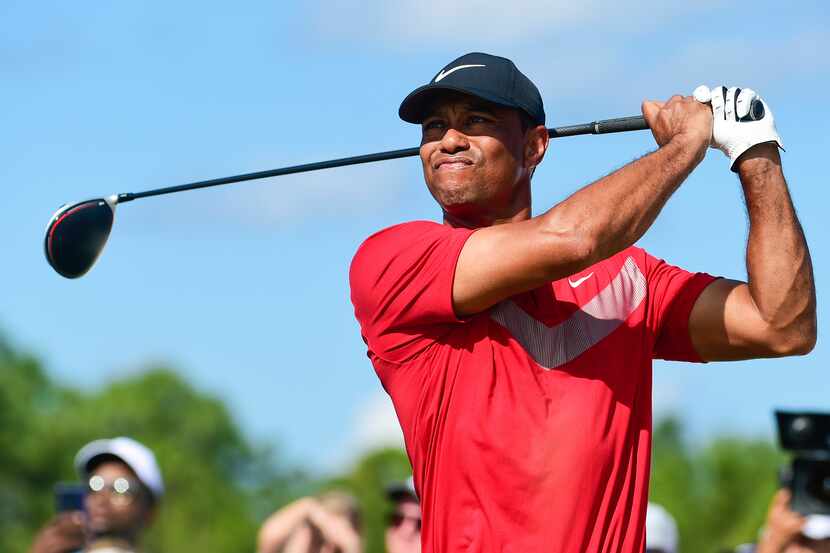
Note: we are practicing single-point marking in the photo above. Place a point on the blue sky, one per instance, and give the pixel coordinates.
(244, 288)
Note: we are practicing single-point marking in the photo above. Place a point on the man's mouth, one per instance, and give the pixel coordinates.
(450, 163)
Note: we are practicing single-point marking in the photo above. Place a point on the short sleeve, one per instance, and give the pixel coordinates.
(401, 282)
(672, 294)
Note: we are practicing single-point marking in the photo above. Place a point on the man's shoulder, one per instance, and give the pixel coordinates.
(395, 236)
(402, 229)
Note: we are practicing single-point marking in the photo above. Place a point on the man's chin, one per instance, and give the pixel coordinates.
(456, 198)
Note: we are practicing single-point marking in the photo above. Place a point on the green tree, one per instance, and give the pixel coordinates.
(217, 481)
(717, 493)
(28, 400)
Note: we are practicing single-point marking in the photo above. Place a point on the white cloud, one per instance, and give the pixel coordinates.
(603, 54)
(330, 193)
(610, 82)
(374, 425)
(734, 60)
(425, 22)
(667, 394)
(343, 191)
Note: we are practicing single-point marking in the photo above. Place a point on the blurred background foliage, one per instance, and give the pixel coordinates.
(221, 485)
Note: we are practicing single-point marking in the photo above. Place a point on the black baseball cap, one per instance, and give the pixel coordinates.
(398, 491)
(488, 77)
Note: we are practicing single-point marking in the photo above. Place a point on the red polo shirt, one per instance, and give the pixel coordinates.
(528, 425)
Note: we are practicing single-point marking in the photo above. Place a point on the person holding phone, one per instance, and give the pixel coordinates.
(123, 486)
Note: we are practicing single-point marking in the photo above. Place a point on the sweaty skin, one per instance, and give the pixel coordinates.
(478, 161)
(775, 313)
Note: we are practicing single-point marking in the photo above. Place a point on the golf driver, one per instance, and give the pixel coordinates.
(77, 233)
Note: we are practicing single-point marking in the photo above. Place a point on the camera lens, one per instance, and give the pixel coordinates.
(800, 429)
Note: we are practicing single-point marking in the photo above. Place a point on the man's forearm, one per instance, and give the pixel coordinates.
(779, 269)
(616, 210)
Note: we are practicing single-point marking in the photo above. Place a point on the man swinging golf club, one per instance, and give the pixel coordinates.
(517, 349)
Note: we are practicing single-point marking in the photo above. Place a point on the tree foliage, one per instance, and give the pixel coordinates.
(218, 483)
(718, 493)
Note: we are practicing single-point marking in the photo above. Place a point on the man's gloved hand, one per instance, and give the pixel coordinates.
(741, 120)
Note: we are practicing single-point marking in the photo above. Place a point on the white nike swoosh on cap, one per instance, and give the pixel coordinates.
(443, 74)
(577, 282)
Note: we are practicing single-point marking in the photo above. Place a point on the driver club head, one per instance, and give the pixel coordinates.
(76, 235)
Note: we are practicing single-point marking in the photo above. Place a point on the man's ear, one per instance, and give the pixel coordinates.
(536, 144)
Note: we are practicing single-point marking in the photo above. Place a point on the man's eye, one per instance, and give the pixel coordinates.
(476, 119)
(432, 125)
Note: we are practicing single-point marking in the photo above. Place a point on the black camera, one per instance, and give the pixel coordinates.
(807, 436)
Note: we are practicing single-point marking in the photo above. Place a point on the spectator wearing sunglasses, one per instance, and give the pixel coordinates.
(123, 488)
(403, 529)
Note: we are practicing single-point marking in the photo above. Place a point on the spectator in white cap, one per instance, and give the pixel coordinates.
(661, 530)
(403, 528)
(124, 486)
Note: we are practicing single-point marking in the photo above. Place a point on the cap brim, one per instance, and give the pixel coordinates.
(414, 106)
(89, 452)
(400, 490)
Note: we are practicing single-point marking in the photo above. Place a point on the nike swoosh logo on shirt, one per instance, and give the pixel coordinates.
(577, 282)
(553, 346)
(443, 73)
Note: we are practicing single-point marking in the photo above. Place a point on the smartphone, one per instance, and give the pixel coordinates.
(69, 496)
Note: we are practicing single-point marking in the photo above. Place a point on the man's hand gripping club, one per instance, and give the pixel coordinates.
(741, 120)
(682, 121)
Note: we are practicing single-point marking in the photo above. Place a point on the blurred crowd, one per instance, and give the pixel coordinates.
(123, 489)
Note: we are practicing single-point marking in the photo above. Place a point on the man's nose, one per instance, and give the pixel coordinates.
(97, 500)
(454, 141)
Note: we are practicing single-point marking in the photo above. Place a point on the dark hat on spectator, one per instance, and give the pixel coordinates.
(398, 491)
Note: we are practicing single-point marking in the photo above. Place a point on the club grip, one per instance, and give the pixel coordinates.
(623, 124)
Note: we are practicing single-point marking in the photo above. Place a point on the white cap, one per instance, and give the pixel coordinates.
(661, 530)
(135, 455)
(817, 527)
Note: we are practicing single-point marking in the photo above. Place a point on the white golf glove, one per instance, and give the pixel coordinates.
(741, 120)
